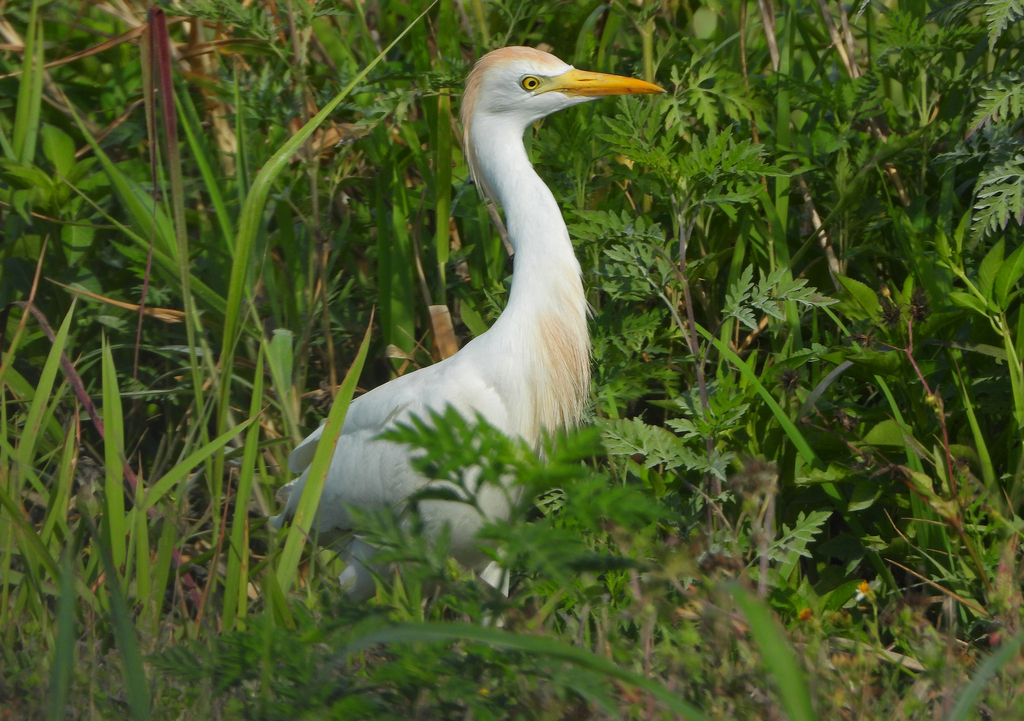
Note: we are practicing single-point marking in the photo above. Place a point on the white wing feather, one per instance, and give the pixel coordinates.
(369, 473)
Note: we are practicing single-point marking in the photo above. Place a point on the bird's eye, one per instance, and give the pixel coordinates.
(530, 83)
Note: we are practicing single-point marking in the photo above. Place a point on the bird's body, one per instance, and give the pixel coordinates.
(530, 372)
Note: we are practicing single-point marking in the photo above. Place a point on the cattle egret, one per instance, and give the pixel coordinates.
(529, 373)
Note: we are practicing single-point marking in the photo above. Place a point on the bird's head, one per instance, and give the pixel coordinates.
(526, 84)
(516, 86)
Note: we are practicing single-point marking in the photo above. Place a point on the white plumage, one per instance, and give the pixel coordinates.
(529, 372)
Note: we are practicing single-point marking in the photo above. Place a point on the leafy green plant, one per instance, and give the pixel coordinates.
(801, 472)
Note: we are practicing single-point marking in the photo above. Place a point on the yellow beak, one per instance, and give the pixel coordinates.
(576, 83)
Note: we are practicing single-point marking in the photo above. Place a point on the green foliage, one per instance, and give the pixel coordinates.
(769, 296)
(802, 470)
(1001, 14)
(999, 197)
(1001, 102)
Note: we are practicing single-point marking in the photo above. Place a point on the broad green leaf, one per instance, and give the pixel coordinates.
(969, 301)
(989, 267)
(59, 149)
(863, 296)
(864, 495)
(1009, 275)
(77, 240)
(472, 319)
(886, 433)
(705, 22)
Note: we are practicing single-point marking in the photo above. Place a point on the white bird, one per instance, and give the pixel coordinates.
(529, 373)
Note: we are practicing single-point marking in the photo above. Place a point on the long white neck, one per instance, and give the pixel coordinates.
(544, 324)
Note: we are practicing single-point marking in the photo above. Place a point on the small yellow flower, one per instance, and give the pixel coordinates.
(864, 591)
(806, 614)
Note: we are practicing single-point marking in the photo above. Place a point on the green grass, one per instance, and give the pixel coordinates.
(799, 490)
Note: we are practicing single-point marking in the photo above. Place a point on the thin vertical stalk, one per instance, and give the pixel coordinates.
(443, 148)
(647, 40)
(484, 39)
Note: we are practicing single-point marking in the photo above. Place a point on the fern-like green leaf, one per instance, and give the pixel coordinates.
(1000, 196)
(1001, 13)
(794, 541)
(1001, 101)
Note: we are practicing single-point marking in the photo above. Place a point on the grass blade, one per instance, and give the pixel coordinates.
(303, 520)
(132, 666)
(964, 708)
(788, 426)
(252, 216)
(41, 394)
(30, 92)
(113, 456)
(443, 148)
(184, 467)
(236, 582)
(537, 646)
(60, 494)
(778, 657)
(64, 648)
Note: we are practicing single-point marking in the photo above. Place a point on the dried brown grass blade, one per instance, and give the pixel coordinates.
(167, 315)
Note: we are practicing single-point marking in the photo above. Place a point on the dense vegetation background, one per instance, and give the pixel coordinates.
(805, 264)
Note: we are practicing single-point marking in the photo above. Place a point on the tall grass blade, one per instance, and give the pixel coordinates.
(778, 656)
(966, 699)
(161, 573)
(138, 203)
(792, 432)
(64, 648)
(131, 659)
(161, 65)
(184, 467)
(237, 579)
(139, 520)
(166, 264)
(394, 248)
(252, 216)
(33, 545)
(443, 150)
(56, 509)
(41, 394)
(192, 126)
(113, 456)
(30, 92)
(533, 645)
(288, 564)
